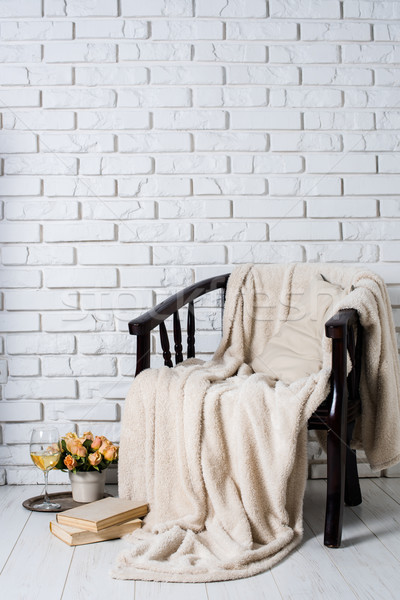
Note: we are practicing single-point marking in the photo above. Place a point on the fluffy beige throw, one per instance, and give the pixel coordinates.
(221, 456)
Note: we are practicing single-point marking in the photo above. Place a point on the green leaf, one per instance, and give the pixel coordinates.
(63, 445)
(87, 444)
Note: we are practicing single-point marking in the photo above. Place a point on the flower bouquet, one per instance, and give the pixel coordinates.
(86, 453)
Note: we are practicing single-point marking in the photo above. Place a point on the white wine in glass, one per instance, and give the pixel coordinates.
(45, 453)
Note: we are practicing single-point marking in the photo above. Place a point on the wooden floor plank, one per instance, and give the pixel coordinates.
(259, 587)
(38, 565)
(153, 590)
(369, 568)
(13, 516)
(391, 486)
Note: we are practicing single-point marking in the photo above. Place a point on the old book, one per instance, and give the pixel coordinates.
(78, 537)
(98, 515)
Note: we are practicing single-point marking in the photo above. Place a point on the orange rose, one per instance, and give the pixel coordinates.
(70, 436)
(95, 458)
(104, 443)
(70, 462)
(88, 435)
(96, 443)
(111, 452)
(76, 448)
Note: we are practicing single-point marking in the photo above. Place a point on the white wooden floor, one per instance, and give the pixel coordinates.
(36, 565)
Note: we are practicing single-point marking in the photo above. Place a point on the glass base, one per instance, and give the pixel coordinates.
(47, 506)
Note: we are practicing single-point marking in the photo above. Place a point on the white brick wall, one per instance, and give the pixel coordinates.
(146, 145)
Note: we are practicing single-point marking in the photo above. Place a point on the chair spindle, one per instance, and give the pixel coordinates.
(190, 331)
(165, 345)
(177, 339)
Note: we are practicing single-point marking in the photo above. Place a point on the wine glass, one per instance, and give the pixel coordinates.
(45, 453)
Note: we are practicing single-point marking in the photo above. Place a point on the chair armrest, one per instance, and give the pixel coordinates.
(153, 317)
(336, 326)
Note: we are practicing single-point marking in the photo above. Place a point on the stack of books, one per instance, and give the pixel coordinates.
(105, 519)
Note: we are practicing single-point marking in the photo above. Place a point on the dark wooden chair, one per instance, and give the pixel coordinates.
(336, 414)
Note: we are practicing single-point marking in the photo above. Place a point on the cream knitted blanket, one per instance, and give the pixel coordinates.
(221, 456)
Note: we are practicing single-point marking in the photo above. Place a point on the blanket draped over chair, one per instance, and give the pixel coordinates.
(221, 456)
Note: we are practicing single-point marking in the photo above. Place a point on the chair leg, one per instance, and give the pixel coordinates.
(352, 491)
(336, 463)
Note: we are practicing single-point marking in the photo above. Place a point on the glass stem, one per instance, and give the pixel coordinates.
(46, 477)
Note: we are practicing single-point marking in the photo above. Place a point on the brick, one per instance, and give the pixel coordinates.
(156, 232)
(155, 142)
(84, 277)
(98, 411)
(389, 163)
(13, 75)
(225, 231)
(40, 165)
(388, 120)
(304, 230)
(106, 343)
(20, 411)
(21, 53)
(79, 232)
(115, 255)
(41, 388)
(372, 185)
(354, 142)
(339, 31)
(306, 186)
(375, 98)
(193, 75)
(79, 143)
(207, 51)
(16, 186)
(390, 207)
(159, 51)
(124, 210)
(38, 255)
(188, 255)
(16, 142)
(387, 76)
(80, 186)
(41, 343)
(154, 97)
(176, 120)
(122, 119)
(156, 8)
(245, 119)
(266, 253)
(309, 142)
(341, 207)
(338, 253)
(74, 8)
(304, 54)
(229, 185)
(185, 209)
(231, 96)
(24, 8)
(111, 75)
(77, 321)
(338, 120)
(259, 30)
(387, 32)
(371, 53)
(19, 322)
(305, 9)
(337, 76)
(116, 300)
(11, 98)
(11, 232)
(232, 8)
(265, 75)
(194, 163)
(231, 141)
(337, 163)
(371, 230)
(283, 163)
(371, 10)
(197, 29)
(267, 207)
(36, 30)
(390, 251)
(41, 300)
(24, 366)
(122, 165)
(114, 28)
(79, 98)
(21, 278)
(60, 366)
(50, 75)
(157, 185)
(39, 120)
